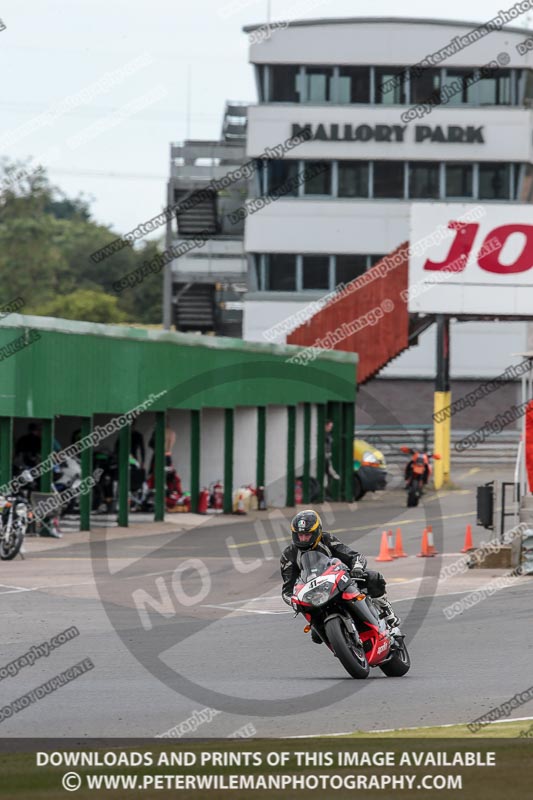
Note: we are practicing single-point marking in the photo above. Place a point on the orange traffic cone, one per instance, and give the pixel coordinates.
(390, 544)
(424, 552)
(384, 549)
(398, 550)
(431, 546)
(469, 544)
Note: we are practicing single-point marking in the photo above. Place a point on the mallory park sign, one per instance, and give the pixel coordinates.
(448, 134)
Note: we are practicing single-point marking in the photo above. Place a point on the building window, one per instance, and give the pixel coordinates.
(315, 272)
(282, 176)
(284, 83)
(256, 278)
(260, 176)
(388, 179)
(317, 176)
(494, 181)
(390, 85)
(353, 179)
(495, 90)
(290, 83)
(354, 85)
(526, 84)
(460, 87)
(280, 272)
(423, 179)
(515, 181)
(459, 180)
(318, 84)
(526, 194)
(283, 272)
(260, 77)
(425, 85)
(348, 268)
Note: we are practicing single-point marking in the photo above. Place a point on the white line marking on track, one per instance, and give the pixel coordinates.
(8, 586)
(415, 728)
(85, 583)
(444, 594)
(230, 606)
(248, 610)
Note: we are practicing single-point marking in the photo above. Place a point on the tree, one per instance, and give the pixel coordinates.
(64, 208)
(46, 243)
(84, 304)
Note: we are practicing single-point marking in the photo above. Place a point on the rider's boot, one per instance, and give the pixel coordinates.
(386, 611)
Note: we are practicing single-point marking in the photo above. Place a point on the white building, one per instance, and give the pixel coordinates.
(350, 82)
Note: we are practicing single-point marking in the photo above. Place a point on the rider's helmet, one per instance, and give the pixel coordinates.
(306, 529)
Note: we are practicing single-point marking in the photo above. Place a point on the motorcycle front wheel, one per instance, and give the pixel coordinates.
(350, 653)
(412, 495)
(10, 544)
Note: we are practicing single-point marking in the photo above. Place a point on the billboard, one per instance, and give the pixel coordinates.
(471, 259)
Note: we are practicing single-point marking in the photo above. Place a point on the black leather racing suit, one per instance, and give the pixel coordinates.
(331, 546)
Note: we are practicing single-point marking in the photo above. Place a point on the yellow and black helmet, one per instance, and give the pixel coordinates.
(306, 529)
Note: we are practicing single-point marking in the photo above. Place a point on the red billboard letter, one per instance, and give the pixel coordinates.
(490, 261)
(460, 248)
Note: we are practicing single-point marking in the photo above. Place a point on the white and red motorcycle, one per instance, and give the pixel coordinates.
(339, 611)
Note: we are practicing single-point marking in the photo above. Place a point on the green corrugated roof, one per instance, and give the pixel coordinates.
(183, 339)
(54, 367)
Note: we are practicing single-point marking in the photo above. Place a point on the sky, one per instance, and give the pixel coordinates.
(96, 90)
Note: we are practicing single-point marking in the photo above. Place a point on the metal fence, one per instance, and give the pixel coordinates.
(498, 449)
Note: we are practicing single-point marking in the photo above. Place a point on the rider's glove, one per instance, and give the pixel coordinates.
(287, 598)
(290, 600)
(358, 571)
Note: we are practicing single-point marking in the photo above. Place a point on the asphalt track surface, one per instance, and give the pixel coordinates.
(239, 640)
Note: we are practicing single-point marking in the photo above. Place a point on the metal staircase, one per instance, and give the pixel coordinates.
(197, 214)
(194, 307)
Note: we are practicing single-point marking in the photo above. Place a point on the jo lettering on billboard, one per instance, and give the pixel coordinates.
(471, 259)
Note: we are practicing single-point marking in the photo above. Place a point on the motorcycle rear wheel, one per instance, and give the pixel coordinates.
(10, 549)
(399, 663)
(351, 655)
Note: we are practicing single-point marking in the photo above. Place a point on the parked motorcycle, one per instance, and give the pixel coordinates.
(15, 516)
(417, 474)
(339, 611)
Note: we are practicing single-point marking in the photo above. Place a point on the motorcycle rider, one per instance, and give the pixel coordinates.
(409, 466)
(307, 534)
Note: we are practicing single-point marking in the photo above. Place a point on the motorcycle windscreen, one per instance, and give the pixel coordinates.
(313, 563)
